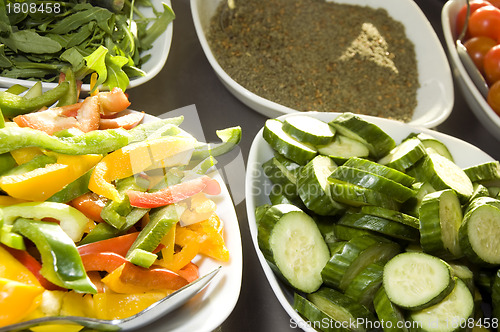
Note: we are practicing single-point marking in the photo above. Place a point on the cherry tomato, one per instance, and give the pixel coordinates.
(477, 47)
(485, 21)
(494, 97)
(474, 5)
(492, 65)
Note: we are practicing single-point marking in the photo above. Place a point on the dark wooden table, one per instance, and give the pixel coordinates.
(188, 79)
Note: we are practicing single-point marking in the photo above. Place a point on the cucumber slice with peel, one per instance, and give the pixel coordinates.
(355, 127)
(381, 170)
(285, 144)
(307, 129)
(369, 180)
(404, 155)
(479, 235)
(440, 220)
(342, 148)
(415, 281)
(386, 311)
(317, 318)
(363, 287)
(354, 195)
(313, 186)
(342, 309)
(430, 142)
(293, 245)
(486, 173)
(450, 314)
(393, 215)
(356, 254)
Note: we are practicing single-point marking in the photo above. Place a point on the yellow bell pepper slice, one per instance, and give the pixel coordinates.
(137, 157)
(118, 306)
(7, 200)
(17, 300)
(12, 269)
(23, 155)
(42, 183)
(113, 281)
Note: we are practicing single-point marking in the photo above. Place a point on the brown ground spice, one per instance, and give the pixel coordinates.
(313, 55)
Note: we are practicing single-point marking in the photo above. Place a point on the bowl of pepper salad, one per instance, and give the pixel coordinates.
(313, 56)
(105, 211)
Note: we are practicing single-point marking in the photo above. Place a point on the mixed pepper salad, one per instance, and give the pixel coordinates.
(100, 215)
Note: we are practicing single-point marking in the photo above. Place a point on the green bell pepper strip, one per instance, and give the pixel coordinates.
(11, 239)
(230, 137)
(17, 89)
(37, 162)
(71, 97)
(61, 262)
(115, 213)
(94, 142)
(35, 91)
(13, 105)
(7, 162)
(2, 120)
(147, 130)
(73, 190)
(72, 221)
(102, 231)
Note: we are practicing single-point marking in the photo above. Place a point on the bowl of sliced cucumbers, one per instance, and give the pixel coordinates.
(367, 223)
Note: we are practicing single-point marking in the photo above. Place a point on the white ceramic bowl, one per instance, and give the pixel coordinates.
(434, 97)
(159, 53)
(257, 187)
(476, 101)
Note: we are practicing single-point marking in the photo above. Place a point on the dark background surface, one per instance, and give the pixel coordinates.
(188, 78)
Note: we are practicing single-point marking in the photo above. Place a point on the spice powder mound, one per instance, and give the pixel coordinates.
(312, 55)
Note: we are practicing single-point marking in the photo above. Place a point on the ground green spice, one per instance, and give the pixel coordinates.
(313, 55)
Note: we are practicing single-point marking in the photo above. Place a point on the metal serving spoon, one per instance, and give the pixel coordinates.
(148, 315)
(469, 65)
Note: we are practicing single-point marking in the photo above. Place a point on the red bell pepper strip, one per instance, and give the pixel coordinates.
(33, 265)
(189, 272)
(118, 245)
(175, 193)
(152, 278)
(90, 204)
(102, 261)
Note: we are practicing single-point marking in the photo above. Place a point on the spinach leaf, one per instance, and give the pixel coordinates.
(29, 41)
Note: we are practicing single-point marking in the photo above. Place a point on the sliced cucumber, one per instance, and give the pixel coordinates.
(440, 220)
(353, 126)
(363, 287)
(485, 200)
(307, 129)
(388, 312)
(412, 205)
(404, 155)
(487, 173)
(346, 233)
(313, 186)
(450, 314)
(444, 174)
(393, 215)
(465, 274)
(285, 144)
(354, 195)
(281, 170)
(356, 254)
(342, 309)
(414, 280)
(430, 142)
(285, 195)
(342, 148)
(369, 180)
(381, 170)
(480, 235)
(317, 318)
(479, 191)
(379, 225)
(293, 245)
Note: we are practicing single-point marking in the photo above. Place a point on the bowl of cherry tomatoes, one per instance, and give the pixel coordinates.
(482, 40)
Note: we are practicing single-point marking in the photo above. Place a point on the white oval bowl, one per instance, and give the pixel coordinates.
(256, 182)
(435, 96)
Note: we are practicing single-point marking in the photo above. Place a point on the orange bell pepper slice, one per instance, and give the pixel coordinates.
(137, 157)
(118, 306)
(18, 300)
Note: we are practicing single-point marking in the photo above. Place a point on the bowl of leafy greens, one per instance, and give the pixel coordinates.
(125, 42)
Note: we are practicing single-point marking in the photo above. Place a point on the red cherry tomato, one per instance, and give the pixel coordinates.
(474, 5)
(485, 21)
(494, 97)
(492, 65)
(477, 47)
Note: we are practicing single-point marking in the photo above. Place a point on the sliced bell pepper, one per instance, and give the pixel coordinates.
(72, 190)
(175, 193)
(118, 306)
(24, 155)
(72, 221)
(118, 245)
(182, 258)
(32, 265)
(11, 268)
(90, 204)
(37, 162)
(7, 162)
(135, 158)
(18, 300)
(213, 244)
(189, 272)
(102, 261)
(7, 200)
(130, 278)
(61, 262)
(230, 137)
